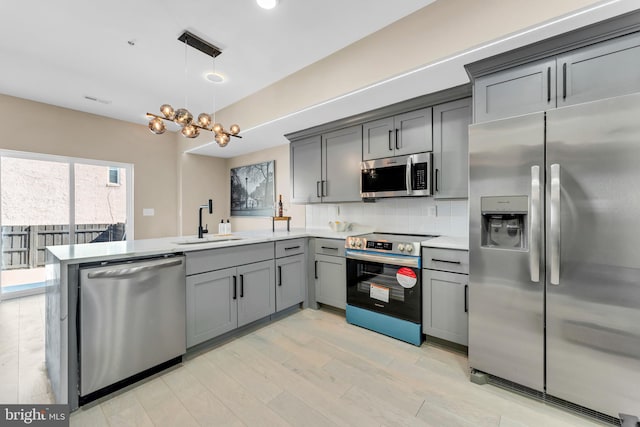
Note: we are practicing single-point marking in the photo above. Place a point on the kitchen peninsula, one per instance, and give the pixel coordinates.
(65, 263)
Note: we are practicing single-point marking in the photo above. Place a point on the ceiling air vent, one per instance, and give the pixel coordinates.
(94, 99)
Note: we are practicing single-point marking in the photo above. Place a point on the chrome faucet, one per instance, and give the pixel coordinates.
(203, 230)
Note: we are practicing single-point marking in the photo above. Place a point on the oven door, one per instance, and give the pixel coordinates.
(385, 288)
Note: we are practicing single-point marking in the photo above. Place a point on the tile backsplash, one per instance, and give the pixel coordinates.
(421, 215)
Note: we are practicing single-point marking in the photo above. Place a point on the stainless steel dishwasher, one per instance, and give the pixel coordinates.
(132, 318)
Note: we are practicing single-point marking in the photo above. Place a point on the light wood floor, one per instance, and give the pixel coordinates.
(22, 370)
(314, 369)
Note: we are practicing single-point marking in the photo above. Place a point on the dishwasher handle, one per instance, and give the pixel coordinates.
(130, 271)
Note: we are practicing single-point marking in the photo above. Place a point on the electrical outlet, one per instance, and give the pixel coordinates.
(432, 211)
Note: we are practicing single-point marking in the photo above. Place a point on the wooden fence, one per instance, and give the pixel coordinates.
(23, 246)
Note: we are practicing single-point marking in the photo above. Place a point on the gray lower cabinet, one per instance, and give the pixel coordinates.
(444, 303)
(451, 149)
(445, 292)
(326, 168)
(330, 272)
(603, 70)
(211, 308)
(406, 133)
(515, 91)
(291, 281)
(256, 291)
(224, 299)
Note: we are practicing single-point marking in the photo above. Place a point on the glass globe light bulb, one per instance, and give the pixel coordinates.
(167, 111)
(234, 129)
(183, 117)
(225, 138)
(156, 125)
(204, 120)
(217, 128)
(190, 131)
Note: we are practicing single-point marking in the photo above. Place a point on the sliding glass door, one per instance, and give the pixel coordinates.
(50, 200)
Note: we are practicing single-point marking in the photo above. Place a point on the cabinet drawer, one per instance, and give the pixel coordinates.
(290, 247)
(446, 260)
(333, 247)
(216, 259)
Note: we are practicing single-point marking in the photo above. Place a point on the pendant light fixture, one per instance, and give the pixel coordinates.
(191, 128)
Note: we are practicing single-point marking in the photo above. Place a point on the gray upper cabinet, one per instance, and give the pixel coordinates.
(603, 70)
(451, 149)
(306, 170)
(406, 133)
(413, 132)
(326, 168)
(378, 139)
(515, 91)
(342, 153)
(256, 291)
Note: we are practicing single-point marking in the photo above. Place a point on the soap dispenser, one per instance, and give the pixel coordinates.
(228, 227)
(221, 227)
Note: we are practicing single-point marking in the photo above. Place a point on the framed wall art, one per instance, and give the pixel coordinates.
(253, 189)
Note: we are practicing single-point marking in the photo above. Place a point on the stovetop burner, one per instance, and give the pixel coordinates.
(388, 243)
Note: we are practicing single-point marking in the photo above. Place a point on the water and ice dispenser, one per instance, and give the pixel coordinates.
(504, 222)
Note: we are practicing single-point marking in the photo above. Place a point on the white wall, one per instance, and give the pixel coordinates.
(422, 215)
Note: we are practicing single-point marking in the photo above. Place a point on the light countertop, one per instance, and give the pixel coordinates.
(105, 251)
(447, 242)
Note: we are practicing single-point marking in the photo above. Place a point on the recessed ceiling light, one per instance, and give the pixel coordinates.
(267, 4)
(215, 77)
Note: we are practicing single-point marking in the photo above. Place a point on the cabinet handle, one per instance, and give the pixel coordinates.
(397, 141)
(390, 146)
(466, 298)
(444, 260)
(290, 248)
(235, 287)
(241, 286)
(279, 275)
(324, 188)
(437, 173)
(315, 270)
(548, 84)
(329, 247)
(564, 81)
(317, 188)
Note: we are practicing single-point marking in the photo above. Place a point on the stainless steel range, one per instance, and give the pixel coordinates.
(383, 284)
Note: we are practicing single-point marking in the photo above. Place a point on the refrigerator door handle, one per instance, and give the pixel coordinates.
(554, 228)
(534, 228)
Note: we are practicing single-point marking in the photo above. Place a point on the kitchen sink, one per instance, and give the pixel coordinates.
(208, 239)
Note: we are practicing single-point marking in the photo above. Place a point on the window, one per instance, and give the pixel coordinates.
(114, 176)
(80, 208)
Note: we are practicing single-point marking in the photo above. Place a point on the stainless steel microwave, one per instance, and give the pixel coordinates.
(397, 176)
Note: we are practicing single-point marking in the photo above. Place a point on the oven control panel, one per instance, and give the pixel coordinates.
(385, 246)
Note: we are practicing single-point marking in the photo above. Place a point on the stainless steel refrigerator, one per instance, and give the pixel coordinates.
(554, 283)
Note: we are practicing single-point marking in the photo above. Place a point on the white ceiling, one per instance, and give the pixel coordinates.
(59, 52)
